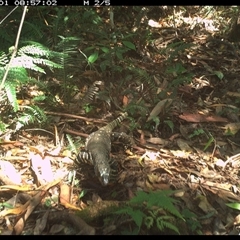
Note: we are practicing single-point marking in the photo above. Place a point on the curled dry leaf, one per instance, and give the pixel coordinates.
(196, 118)
(8, 171)
(41, 223)
(160, 107)
(183, 145)
(156, 140)
(231, 128)
(65, 192)
(205, 205)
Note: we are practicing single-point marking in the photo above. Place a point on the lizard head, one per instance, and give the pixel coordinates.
(103, 173)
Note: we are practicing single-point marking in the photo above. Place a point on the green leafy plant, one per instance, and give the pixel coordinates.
(154, 209)
(173, 50)
(235, 205)
(197, 132)
(200, 131)
(35, 58)
(31, 114)
(192, 221)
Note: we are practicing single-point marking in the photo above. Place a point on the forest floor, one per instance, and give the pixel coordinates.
(187, 143)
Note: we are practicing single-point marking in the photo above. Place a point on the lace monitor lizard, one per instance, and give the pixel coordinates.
(98, 148)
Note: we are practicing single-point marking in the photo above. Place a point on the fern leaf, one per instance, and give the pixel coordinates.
(158, 198)
(32, 114)
(23, 121)
(162, 223)
(47, 63)
(34, 50)
(71, 144)
(27, 63)
(3, 59)
(16, 75)
(32, 29)
(11, 95)
(136, 215)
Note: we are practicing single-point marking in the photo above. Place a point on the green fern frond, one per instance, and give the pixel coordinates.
(162, 223)
(176, 48)
(23, 121)
(10, 89)
(34, 50)
(32, 30)
(67, 43)
(38, 113)
(135, 214)
(3, 59)
(68, 47)
(27, 63)
(58, 23)
(39, 98)
(135, 108)
(5, 37)
(39, 50)
(149, 221)
(158, 198)
(16, 75)
(3, 127)
(47, 63)
(31, 114)
(72, 146)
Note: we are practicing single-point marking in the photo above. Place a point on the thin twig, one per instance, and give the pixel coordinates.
(8, 15)
(15, 47)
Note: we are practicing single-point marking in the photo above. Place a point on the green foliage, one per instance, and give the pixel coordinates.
(33, 57)
(31, 114)
(67, 59)
(174, 49)
(154, 209)
(137, 108)
(136, 214)
(10, 89)
(3, 126)
(170, 124)
(71, 144)
(176, 68)
(235, 205)
(192, 221)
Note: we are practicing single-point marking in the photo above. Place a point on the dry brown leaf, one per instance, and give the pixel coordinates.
(15, 211)
(156, 140)
(36, 150)
(160, 107)
(42, 168)
(196, 118)
(17, 188)
(10, 172)
(180, 154)
(65, 194)
(237, 220)
(233, 94)
(228, 196)
(231, 128)
(125, 100)
(31, 205)
(184, 131)
(220, 163)
(56, 228)
(205, 205)
(183, 145)
(41, 223)
(142, 138)
(70, 206)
